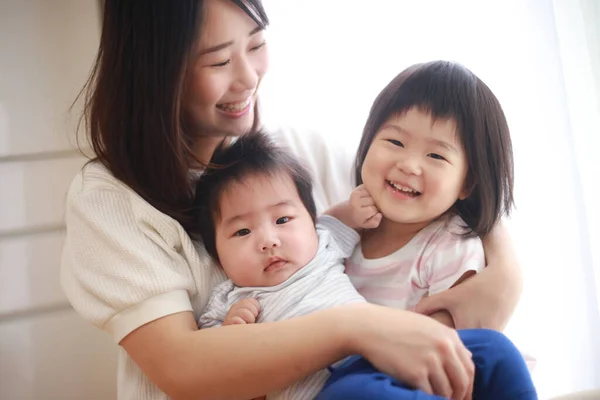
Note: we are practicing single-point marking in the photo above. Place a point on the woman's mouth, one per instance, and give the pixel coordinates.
(236, 109)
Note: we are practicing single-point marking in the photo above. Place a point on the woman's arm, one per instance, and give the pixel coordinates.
(488, 299)
(248, 360)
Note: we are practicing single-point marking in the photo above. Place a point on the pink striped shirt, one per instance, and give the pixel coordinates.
(430, 263)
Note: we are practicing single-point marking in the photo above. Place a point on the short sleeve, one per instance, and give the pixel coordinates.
(344, 237)
(453, 256)
(118, 271)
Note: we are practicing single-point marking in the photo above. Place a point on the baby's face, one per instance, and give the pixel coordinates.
(264, 233)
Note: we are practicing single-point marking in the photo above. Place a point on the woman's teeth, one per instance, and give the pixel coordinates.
(234, 107)
(404, 189)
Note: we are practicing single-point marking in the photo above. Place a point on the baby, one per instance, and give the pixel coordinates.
(258, 219)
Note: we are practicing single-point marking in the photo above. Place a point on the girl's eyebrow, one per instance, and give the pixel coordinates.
(222, 46)
(439, 143)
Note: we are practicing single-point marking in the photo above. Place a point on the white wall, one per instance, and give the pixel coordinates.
(46, 350)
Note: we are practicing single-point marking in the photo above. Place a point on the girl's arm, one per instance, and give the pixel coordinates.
(488, 299)
(248, 360)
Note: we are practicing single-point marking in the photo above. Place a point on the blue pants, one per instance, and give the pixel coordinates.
(500, 373)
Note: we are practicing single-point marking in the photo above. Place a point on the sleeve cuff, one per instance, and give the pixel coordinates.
(345, 237)
(148, 310)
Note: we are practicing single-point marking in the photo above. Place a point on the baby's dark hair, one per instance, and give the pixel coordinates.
(448, 90)
(250, 155)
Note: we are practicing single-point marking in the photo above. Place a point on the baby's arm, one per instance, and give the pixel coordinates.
(357, 212)
(244, 311)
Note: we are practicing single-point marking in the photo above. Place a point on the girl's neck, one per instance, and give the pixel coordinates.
(388, 238)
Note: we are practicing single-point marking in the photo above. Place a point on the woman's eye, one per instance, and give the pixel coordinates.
(260, 46)
(221, 64)
(282, 220)
(437, 157)
(242, 232)
(395, 142)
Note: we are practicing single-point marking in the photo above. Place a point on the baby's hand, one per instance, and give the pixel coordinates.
(243, 312)
(364, 212)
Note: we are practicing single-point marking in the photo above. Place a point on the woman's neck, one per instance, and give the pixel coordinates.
(388, 238)
(204, 147)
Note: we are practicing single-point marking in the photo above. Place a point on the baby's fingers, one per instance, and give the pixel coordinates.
(246, 315)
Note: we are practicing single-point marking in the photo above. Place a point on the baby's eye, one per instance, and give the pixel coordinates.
(242, 232)
(282, 220)
(395, 142)
(436, 156)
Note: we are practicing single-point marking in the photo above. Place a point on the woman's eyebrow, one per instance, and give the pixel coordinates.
(222, 46)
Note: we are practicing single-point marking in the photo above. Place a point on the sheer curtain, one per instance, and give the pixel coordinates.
(541, 58)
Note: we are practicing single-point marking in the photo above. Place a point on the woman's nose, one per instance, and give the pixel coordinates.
(246, 75)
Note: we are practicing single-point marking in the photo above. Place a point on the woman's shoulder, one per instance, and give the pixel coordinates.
(95, 177)
(95, 194)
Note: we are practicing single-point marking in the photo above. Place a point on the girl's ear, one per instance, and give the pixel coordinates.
(466, 191)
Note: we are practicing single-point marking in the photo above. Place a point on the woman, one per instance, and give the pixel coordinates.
(172, 79)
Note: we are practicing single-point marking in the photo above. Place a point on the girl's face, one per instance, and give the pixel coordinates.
(415, 168)
(229, 62)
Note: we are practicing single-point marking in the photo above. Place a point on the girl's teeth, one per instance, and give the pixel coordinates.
(403, 189)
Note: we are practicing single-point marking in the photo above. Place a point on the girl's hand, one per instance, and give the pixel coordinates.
(363, 209)
(243, 312)
(415, 349)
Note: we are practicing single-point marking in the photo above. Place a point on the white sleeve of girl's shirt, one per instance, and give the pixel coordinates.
(117, 271)
(330, 166)
(452, 256)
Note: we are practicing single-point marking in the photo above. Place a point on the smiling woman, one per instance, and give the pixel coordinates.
(224, 75)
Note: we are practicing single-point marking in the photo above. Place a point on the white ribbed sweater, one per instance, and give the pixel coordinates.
(125, 263)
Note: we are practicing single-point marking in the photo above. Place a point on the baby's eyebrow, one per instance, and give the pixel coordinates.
(238, 217)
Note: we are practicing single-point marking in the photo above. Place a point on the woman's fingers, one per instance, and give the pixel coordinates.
(440, 381)
(431, 304)
(460, 370)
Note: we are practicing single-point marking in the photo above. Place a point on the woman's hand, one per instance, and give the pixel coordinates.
(488, 299)
(415, 349)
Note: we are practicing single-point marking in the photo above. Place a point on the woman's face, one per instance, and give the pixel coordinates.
(229, 62)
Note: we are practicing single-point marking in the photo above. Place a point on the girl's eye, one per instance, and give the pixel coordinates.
(242, 232)
(260, 46)
(221, 64)
(395, 142)
(437, 157)
(282, 220)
